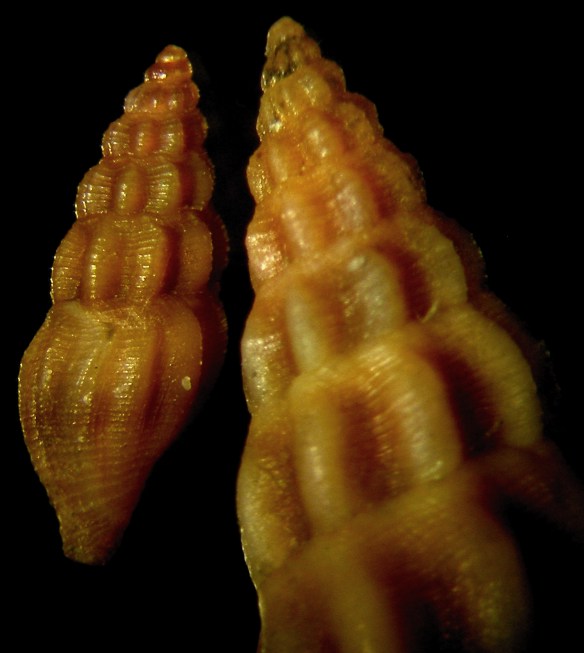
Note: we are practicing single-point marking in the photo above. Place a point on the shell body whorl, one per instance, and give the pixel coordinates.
(136, 333)
(393, 398)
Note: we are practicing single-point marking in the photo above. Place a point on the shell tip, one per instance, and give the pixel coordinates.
(171, 54)
(287, 48)
(171, 62)
(283, 29)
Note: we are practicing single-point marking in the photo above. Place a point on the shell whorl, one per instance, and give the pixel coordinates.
(384, 382)
(136, 334)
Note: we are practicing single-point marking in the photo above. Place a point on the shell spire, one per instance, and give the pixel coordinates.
(393, 399)
(136, 334)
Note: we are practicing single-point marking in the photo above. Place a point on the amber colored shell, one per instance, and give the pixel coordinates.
(136, 333)
(394, 406)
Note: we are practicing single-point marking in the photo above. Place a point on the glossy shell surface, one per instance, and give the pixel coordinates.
(136, 333)
(395, 409)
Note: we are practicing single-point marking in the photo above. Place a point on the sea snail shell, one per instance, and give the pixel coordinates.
(136, 334)
(394, 407)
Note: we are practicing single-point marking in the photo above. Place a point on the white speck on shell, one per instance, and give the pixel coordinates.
(186, 382)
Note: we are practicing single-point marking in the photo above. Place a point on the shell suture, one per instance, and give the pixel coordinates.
(136, 333)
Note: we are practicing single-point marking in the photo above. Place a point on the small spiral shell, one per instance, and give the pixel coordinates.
(393, 399)
(136, 334)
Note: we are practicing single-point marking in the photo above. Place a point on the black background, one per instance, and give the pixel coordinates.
(486, 102)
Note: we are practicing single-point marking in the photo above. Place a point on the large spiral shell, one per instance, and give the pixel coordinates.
(394, 406)
(136, 334)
